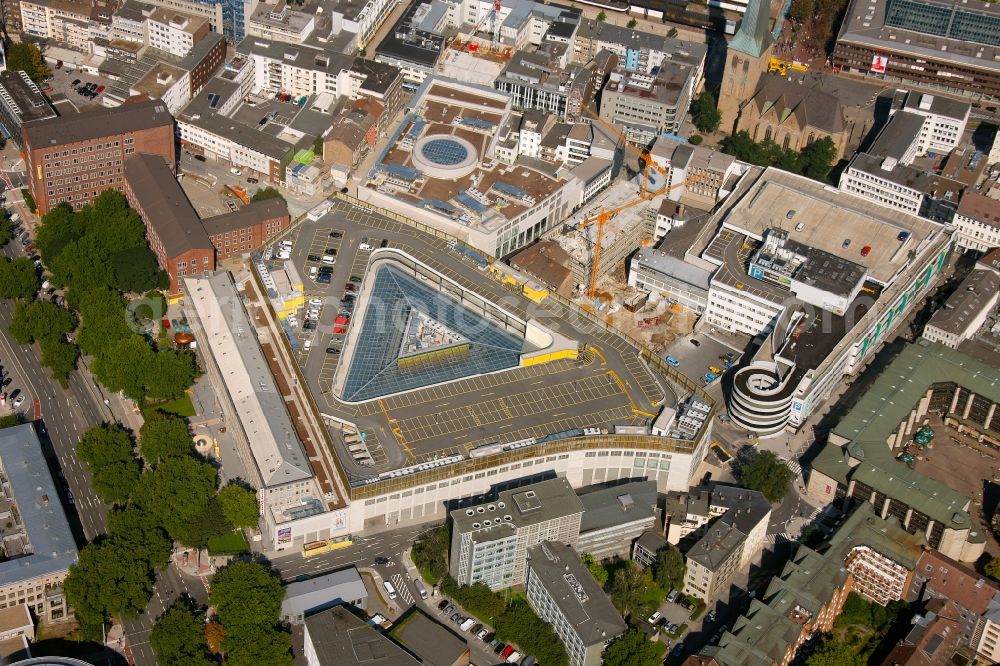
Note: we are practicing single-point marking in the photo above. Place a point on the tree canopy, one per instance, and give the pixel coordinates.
(18, 278)
(599, 573)
(265, 193)
(132, 366)
(767, 474)
(239, 504)
(6, 230)
(520, 625)
(164, 436)
(669, 569)
(176, 492)
(248, 598)
(26, 56)
(106, 581)
(628, 588)
(633, 648)
(108, 451)
(39, 320)
(707, 117)
(179, 637)
(430, 553)
(814, 161)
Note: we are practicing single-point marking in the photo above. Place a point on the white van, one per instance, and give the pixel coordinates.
(235, 171)
(307, 345)
(420, 588)
(328, 259)
(365, 247)
(389, 589)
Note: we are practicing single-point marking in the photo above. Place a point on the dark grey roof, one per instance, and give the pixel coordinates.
(129, 117)
(618, 505)
(719, 543)
(52, 547)
(937, 104)
(812, 107)
(898, 135)
(972, 296)
(200, 50)
(527, 505)
(750, 506)
(343, 586)
(652, 541)
(20, 94)
(888, 169)
(744, 509)
(379, 77)
(587, 609)
(170, 213)
(339, 638)
(433, 644)
(407, 43)
(254, 212)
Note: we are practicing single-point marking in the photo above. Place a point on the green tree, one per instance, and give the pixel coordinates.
(124, 366)
(992, 568)
(206, 525)
(261, 645)
(103, 320)
(6, 230)
(107, 581)
(139, 534)
(672, 33)
(833, 652)
(599, 573)
(519, 624)
(26, 56)
(669, 570)
(802, 10)
(696, 140)
(176, 492)
(239, 504)
(818, 157)
(248, 597)
(108, 451)
(430, 553)
(135, 269)
(632, 23)
(707, 117)
(164, 436)
(59, 228)
(767, 474)
(18, 278)
(628, 587)
(179, 634)
(9, 421)
(266, 193)
(39, 320)
(633, 648)
(59, 357)
(602, 17)
(171, 373)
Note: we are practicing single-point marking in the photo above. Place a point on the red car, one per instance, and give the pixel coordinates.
(865, 250)
(342, 320)
(99, 90)
(349, 287)
(339, 330)
(166, 323)
(507, 651)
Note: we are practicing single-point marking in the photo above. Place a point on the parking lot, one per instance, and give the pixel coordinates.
(607, 385)
(64, 93)
(699, 354)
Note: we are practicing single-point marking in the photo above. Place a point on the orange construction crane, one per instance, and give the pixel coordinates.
(605, 216)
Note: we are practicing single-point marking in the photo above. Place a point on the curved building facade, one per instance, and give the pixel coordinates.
(761, 398)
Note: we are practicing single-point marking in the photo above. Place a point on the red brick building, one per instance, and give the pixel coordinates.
(72, 159)
(248, 228)
(184, 244)
(173, 229)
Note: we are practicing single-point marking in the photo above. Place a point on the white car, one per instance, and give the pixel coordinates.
(286, 243)
(283, 254)
(329, 260)
(365, 247)
(18, 401)
(292, 321)
(316, 302)
(235, 171)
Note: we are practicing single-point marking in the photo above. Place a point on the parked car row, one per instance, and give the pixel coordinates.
(506, 652)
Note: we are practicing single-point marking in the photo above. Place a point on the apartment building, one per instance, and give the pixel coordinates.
(280, 23)
(74, 158)
(173, 229)
(65, 22)
(615, 517)
(725, 546)
(696, 170)
(537, 80)
(647, 548)
(218, 14)
(978, 222)
(565, 596)
(20, 102)
(637, 51)
(489, 542)
(38, 546)
(944, 120)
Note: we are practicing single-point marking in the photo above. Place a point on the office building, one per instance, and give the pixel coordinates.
(978, 221)
(932, 638)
(248, 228)
(38, 546)
(934, 45)
(727, 545)
(697, 173)
(337, 637)
(615, 517)
(648, 105)
(20, 102)
(489, 542)
(566, 597)
(636, 50)
(826, 301)
(411, 46)
(73, 159)
(856, 466)
(174, 232)
(269, 445)
(305, 597)
(966, 310)
(174, 33)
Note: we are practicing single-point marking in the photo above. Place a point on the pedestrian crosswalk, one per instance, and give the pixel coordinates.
(402, 589)
(792, 465)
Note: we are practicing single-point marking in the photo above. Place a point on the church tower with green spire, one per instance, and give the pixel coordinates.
(746, 60)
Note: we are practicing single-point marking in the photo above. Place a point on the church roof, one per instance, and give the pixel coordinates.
(811, 107)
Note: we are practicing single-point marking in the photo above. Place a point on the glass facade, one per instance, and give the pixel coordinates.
(944, 21)
(376, 366)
